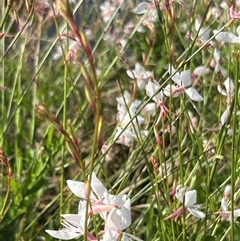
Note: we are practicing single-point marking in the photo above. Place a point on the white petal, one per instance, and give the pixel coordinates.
(97, 186)
(226, 37)
(193, 94)
(141, 8)
(121, 216)
(141, 83)
(196, 213)
(224, 205)
(139, 68)
(224, 116)
(151, 88)
(76, 220)
(126, 96)
(78, 188)
(148, 74)
(180, 194)
(186, 78)
(201, 71)
(236, 213)
(110, 234)
(119, 219)
(131, 74)
(216, 55)
(176, 77)
(82, 208)
(149, 108)
(229, 86)
(190, 198)
(63, 234)
(113, 199)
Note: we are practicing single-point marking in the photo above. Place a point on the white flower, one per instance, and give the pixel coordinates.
(183, 80)
(228, 37)
(152, 90)
(189, 200)
(102, 201)
(107, 10)
(125, 116)
(140, 74)
(124, 137)
(73, 225)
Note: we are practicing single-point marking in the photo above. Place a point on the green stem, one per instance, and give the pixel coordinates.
(5, 199)
(9, 5)
(234, 152)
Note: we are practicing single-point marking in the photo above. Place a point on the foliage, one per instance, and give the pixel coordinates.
(72, 102)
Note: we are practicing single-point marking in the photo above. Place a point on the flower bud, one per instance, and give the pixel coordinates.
(64, 8)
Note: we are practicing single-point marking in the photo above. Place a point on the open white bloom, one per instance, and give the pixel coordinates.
(183, 81)
(102, 201)
(125, 116)
(189, 200)
(128, 135)
(107, 10)
(73, 224)
(127, 108)
(228, 37)
(152, 90)
(127, 120)
(124, 137)
(140, 74)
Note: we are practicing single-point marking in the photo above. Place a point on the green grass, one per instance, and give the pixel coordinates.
(57, 114)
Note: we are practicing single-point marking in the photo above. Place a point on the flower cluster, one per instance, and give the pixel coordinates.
(128, 119)
(115, 210)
